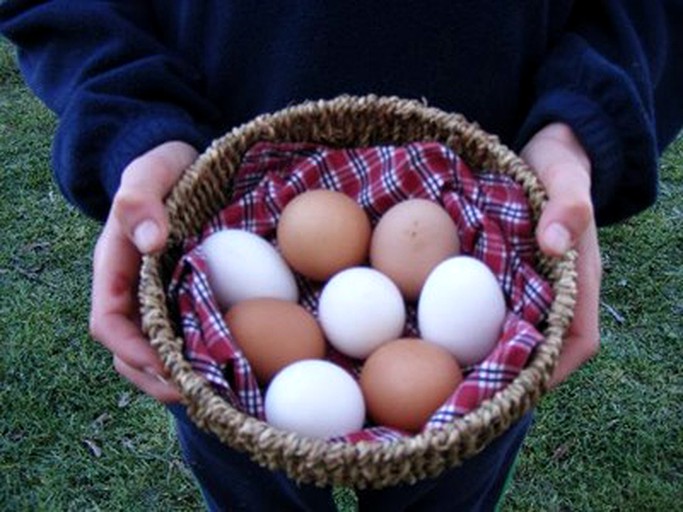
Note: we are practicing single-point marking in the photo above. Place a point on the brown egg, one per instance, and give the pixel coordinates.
(405, 381)
(410, 239)
(321, 232)
(273, 333)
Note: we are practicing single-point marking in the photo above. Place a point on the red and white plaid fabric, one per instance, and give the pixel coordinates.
(494, 223)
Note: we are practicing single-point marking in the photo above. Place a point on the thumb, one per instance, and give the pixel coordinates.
(569, 210)
(564, 169)
(138, 205)
(142, 218)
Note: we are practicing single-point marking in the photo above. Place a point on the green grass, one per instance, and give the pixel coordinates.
(612, 437)
(74, 436)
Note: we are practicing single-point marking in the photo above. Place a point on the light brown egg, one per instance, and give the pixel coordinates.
(273, 333)
(405, 381)
(410, 239)
(321, 232)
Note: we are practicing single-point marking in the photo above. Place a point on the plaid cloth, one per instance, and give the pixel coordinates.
(494, 224)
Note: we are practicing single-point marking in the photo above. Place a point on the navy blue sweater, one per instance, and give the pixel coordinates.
(125, 76)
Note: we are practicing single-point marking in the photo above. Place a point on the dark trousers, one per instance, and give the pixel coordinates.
(229, 480)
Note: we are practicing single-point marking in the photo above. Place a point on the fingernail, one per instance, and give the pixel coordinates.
(153, 372)
(163, 380)
(557, 238)
(145, 236)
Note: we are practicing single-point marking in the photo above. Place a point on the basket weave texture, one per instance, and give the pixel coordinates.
(347, 121)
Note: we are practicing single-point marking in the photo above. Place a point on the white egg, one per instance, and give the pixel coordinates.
(360, 309)
(315, 398)
(462, 308)
(242, 265)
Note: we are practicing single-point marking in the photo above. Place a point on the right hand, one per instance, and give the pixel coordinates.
(137, 224)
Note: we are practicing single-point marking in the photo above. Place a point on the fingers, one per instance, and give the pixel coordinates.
(582, 350)
(138, 205)
(151, 383)
(114, 313)
(583, 338)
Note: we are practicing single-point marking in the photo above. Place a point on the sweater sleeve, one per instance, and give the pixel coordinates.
(116, 90)
(616, 78)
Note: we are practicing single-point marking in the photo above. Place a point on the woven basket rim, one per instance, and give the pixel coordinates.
(358, 120)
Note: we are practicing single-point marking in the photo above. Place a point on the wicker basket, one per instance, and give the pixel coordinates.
(347, 121)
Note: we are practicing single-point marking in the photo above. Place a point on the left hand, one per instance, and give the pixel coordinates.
(567, 221)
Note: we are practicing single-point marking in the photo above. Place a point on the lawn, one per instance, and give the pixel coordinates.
(75, 436)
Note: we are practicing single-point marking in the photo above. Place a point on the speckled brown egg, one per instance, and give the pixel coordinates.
(409, 240)
(405, 381)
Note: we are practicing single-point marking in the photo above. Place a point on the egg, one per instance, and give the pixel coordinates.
(273, 333)
(316, 399)
(359, 309)
(321, 232)
(405, 381)
(409, 240)
(242, 265)
(462, 308)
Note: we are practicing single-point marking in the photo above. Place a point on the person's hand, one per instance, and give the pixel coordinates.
(137, 224)
(567, 221)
